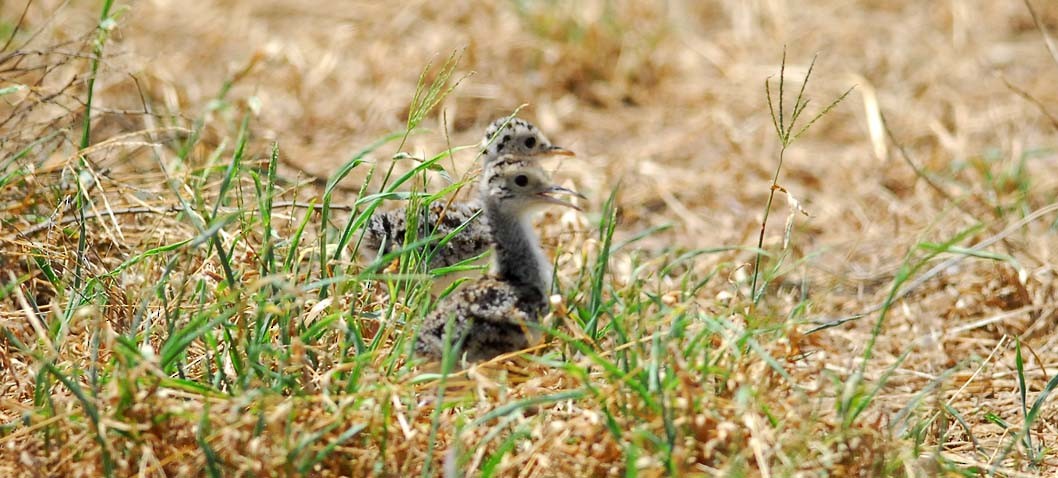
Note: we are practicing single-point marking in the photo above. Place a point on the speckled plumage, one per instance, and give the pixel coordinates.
(385, 231)
(489, 317)
(494, 315)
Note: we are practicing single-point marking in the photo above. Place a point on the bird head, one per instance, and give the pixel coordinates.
(517, 136)
(516, 184)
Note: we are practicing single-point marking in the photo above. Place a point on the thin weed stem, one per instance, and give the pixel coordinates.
(783, 130)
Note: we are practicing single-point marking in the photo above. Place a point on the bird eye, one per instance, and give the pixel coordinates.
(530, 142)
(521, 180)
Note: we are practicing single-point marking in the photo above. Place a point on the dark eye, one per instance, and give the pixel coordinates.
(521, 180)
(530, 142)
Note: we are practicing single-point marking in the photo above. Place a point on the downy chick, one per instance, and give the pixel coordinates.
(493, 315)
(385, 231)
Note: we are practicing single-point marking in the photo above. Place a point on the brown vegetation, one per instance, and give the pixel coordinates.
(935, 178)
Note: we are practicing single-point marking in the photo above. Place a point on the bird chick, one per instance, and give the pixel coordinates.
(493, 315)
(385, 231)
(517, 136)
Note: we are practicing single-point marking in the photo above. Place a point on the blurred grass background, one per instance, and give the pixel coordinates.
(946, 142)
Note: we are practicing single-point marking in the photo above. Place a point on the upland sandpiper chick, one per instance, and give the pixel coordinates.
(516, 136)
(493, 315)
(386, 230)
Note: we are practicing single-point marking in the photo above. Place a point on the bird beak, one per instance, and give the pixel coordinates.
(558, 151)
(546, 196)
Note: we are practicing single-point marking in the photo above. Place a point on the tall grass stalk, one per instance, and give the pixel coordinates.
(787, 132)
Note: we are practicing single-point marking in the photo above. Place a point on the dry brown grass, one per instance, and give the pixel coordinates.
(665, 99)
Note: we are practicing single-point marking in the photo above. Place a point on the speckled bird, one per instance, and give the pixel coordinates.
(493, 315)
(385, 231)
(516, 136)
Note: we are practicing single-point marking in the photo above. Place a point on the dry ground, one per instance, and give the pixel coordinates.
(955, 204)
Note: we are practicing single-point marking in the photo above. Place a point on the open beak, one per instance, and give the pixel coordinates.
(558, 151)
(548, 197)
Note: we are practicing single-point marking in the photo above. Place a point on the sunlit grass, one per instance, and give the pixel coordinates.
(179, 302)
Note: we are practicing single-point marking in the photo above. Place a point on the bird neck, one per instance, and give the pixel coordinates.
(517, 257)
